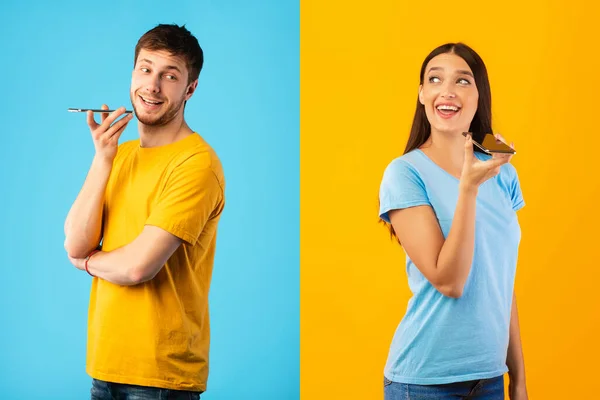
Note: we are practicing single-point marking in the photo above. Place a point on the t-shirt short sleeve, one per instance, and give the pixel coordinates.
(513, 186)
(191, 196)
(401, 187)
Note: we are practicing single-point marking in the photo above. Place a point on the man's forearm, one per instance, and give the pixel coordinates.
(83, 226)
(514, 358)
(138, 261)
(117, 266)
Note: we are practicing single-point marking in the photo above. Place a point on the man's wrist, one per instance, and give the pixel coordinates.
(87, 259)
(102, 162)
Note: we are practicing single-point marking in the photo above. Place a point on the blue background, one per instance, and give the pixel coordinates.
(80, 54)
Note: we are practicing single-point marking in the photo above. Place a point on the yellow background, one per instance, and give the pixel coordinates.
(359, 77)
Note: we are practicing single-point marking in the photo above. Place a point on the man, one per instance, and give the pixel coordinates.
(154, 203)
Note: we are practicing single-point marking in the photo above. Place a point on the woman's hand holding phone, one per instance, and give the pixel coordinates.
(475, 171)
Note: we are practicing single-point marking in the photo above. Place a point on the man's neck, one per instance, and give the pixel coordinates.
(154, 136)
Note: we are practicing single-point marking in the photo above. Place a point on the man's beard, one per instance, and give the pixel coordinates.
(159, 119)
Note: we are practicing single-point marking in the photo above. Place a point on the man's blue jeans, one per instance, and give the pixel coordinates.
(117, 391)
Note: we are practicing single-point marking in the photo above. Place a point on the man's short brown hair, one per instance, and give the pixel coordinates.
(178, 41)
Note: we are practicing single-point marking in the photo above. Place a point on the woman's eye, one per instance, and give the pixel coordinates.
(464, 81)
(434, 79)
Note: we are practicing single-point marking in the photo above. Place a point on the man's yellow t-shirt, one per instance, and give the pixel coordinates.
(157, 333)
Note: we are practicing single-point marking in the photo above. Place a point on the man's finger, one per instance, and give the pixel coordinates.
(91, 121)
(112, 117)
(120, 124)
(115, 137)
(104, 115)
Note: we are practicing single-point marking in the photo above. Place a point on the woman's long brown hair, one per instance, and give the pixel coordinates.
(482, 121)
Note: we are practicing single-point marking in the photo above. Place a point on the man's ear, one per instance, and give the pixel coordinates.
(191, 89)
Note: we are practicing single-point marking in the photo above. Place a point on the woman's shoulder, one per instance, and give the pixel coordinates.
(407, 161)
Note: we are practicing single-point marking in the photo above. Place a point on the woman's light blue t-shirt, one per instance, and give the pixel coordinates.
(442, 339)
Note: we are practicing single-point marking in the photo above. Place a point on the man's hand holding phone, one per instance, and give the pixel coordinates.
(106, 134)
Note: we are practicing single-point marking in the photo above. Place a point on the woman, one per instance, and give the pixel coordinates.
(453, 210)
